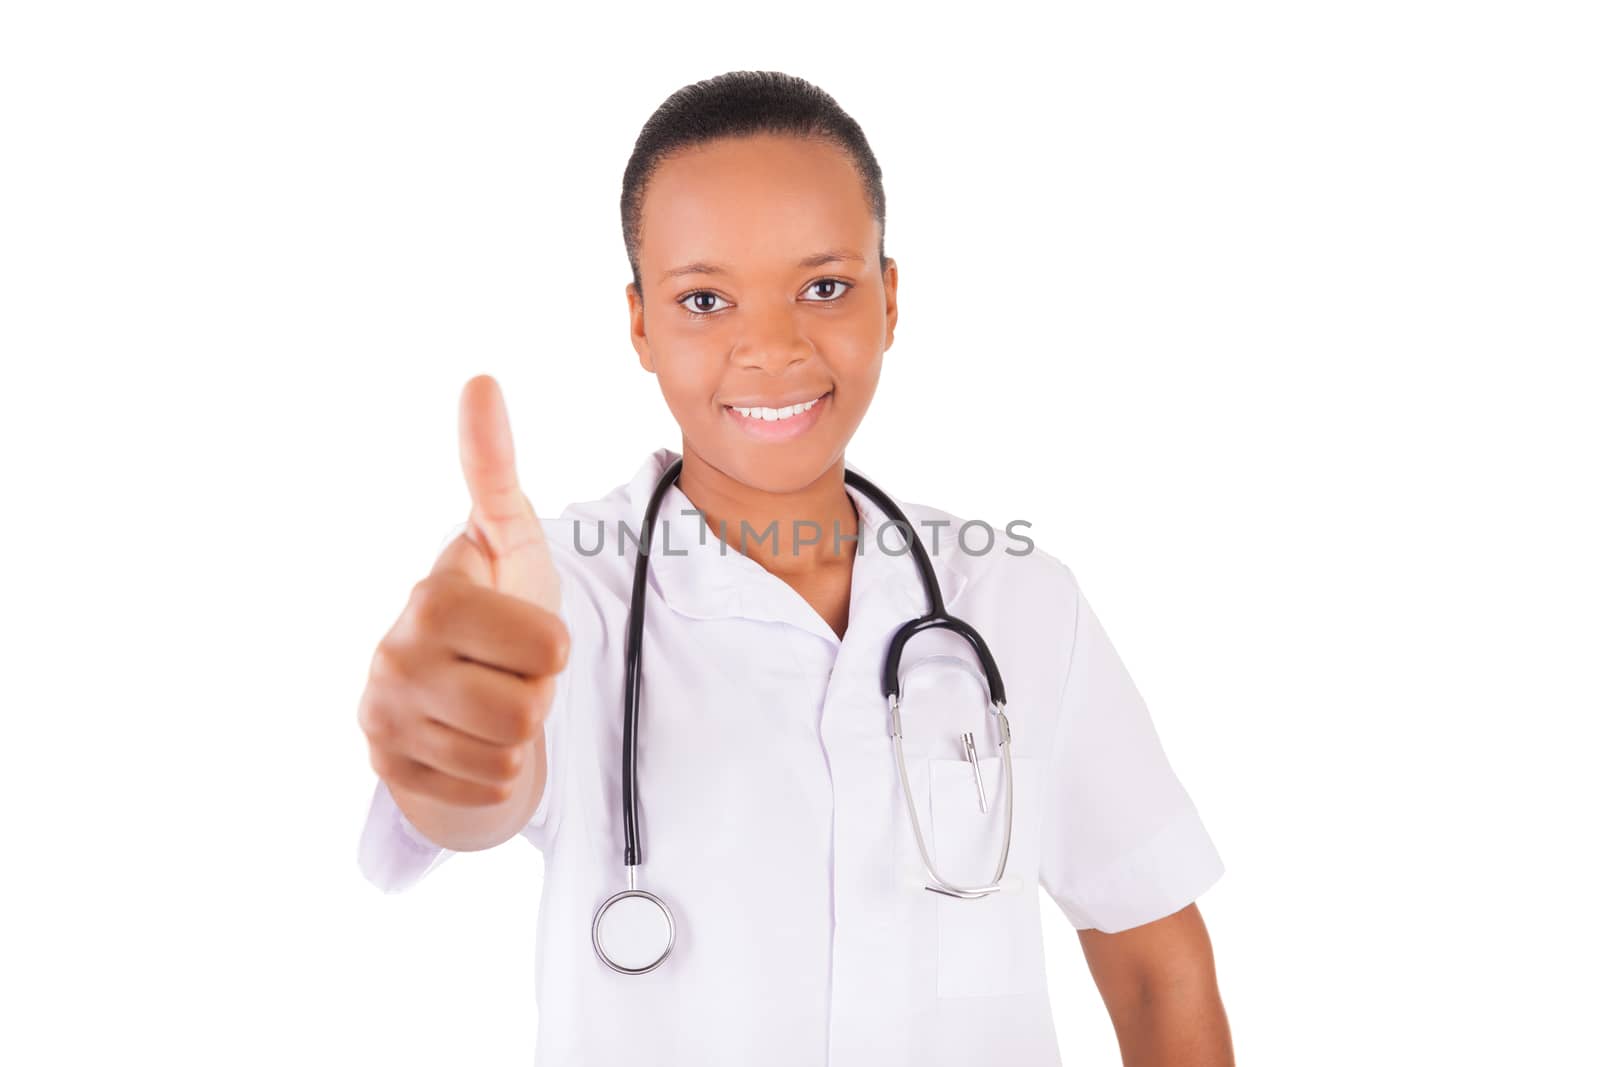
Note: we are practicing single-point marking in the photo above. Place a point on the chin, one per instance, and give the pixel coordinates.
(779, 468)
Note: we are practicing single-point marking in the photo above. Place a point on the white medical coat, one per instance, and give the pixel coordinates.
(771, 816)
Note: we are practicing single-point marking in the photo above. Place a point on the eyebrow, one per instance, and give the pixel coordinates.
(835, 255)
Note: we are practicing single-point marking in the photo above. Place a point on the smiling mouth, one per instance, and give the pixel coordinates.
(757, 413)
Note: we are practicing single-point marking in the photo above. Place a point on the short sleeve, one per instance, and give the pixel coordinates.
(393, 854)
(1123, 844)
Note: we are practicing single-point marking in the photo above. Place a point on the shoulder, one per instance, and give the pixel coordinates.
(596, 540)
(595, 576)
(999, 561)
(1021, 598)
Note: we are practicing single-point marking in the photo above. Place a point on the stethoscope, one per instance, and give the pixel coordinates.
(633, 930)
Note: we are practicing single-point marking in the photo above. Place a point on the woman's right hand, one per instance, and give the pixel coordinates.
(459, 688)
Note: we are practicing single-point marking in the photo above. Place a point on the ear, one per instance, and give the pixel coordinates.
(891, 298)
(641, 344)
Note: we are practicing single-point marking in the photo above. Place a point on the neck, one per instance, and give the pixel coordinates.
(792, 533)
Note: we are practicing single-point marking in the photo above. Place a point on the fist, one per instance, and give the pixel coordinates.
(459, 688)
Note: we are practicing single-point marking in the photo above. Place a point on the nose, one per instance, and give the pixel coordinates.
(772, 344)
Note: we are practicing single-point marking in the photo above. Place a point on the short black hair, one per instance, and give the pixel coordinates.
(742, 103)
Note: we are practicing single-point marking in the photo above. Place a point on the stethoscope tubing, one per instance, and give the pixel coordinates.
(632, 674)
(936, 618)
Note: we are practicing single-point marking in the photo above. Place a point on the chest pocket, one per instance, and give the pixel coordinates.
(991, 946)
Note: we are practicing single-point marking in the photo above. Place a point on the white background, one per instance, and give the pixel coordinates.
(1278, 321)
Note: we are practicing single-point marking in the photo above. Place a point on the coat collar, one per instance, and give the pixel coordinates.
(708, 580)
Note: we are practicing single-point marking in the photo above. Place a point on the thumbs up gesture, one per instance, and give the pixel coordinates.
(459, 688)
(503, 547)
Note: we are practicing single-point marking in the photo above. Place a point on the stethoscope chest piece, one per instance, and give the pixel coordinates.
(633, 932)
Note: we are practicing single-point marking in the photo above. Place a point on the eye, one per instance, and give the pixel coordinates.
(836, 292)
(694, 299)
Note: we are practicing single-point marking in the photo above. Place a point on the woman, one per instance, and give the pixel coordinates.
(773, 814)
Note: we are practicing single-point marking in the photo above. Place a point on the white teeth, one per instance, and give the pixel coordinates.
(774, 414)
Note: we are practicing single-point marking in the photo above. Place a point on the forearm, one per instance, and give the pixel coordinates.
(1178, 1025)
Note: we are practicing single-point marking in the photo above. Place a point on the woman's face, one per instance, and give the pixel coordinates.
(762, 288)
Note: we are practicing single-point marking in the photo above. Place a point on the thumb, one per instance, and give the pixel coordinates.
(502, 520)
